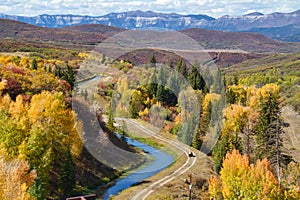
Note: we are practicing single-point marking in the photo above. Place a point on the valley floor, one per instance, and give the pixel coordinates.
(171, 182)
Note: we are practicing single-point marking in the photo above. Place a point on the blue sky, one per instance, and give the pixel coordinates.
(214, 8)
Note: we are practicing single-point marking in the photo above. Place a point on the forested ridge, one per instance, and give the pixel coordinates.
(250, 157)
(42, 154)
(41, 137)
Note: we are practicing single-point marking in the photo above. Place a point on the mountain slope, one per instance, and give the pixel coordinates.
(251, 42)
(92, 34)
(19, 30)
(289, 33)
(95, 28)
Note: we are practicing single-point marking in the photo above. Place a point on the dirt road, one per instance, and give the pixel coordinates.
(186, 162)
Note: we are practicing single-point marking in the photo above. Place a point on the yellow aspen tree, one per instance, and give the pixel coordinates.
(235, 167)
(15, 178)
(51, 113)
(123, 85)
(240, 180)
(18, 111)
(252, 100)
(2, 86)
(260, 182)
(24, 62)
(214, 188)
(5, 102)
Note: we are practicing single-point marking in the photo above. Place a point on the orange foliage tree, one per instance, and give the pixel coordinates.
(240, 180)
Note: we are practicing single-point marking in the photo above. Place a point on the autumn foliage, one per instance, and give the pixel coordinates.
(37, 128)
(241, 180)
(15, 178)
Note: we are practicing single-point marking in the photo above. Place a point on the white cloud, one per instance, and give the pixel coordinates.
(215, 8)
(163, 2)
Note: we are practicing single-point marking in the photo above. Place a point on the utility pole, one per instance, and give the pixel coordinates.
(190, 187)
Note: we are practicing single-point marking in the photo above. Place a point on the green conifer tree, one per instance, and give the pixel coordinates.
(69, 75)
(184, 71)
(67, 180)
(179, 65)
(196, 79)
(153, 60)
(268, 130)
(197, 142)
(160, 93)
(111, 120)
(33, 65)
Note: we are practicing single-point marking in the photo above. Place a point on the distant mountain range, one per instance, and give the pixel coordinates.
(280, 26)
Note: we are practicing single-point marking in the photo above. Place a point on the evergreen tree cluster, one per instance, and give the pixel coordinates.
(253, 125)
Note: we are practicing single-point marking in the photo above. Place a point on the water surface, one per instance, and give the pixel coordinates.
(160, 161)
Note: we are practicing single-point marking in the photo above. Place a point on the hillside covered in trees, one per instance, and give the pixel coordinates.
(41, 137)
(251, 156)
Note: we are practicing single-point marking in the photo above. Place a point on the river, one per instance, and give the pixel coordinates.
(159, 162)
